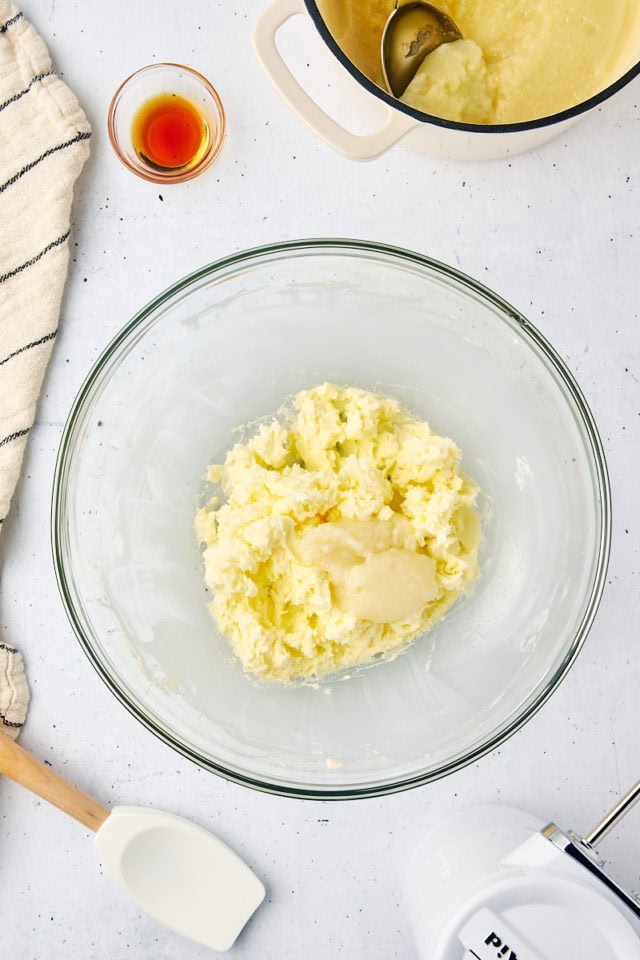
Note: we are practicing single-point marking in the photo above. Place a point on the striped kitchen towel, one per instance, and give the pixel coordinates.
(44, 142)
(14, 692)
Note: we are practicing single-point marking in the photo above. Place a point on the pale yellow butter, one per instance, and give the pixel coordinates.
(345, 528)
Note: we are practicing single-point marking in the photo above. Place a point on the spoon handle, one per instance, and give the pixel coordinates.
(17, 764)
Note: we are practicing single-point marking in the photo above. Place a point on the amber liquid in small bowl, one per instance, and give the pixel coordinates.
(170, 133)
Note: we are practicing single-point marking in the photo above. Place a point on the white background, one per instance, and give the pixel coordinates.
(557, 233)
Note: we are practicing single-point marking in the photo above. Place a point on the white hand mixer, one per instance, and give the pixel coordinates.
(495, 883)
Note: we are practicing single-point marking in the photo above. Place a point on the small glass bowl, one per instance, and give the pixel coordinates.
(140, 88)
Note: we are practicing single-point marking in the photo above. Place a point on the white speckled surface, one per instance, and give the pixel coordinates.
(556, 232)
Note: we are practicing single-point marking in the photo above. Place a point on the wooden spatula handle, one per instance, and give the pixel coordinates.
(19, 765)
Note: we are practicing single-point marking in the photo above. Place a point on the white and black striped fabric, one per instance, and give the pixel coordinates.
(44, 143)
(14, 692)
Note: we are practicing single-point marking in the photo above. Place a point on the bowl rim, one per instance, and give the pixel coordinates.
(562, 116)
(330, 246)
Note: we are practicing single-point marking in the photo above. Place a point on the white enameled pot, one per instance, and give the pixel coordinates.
(396, 121)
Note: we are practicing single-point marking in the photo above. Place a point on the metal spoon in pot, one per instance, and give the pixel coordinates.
(414, 29)
(177, 872)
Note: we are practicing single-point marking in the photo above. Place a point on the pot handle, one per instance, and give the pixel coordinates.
(355, 146)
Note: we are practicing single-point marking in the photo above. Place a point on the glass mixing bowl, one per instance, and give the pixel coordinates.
(228, 345)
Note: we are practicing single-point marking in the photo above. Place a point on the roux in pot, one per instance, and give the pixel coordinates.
(520, 60)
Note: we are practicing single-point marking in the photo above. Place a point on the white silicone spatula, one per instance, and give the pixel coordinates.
(175, 871)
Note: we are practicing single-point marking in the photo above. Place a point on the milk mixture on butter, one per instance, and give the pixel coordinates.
(346, 528)
(519, 59)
